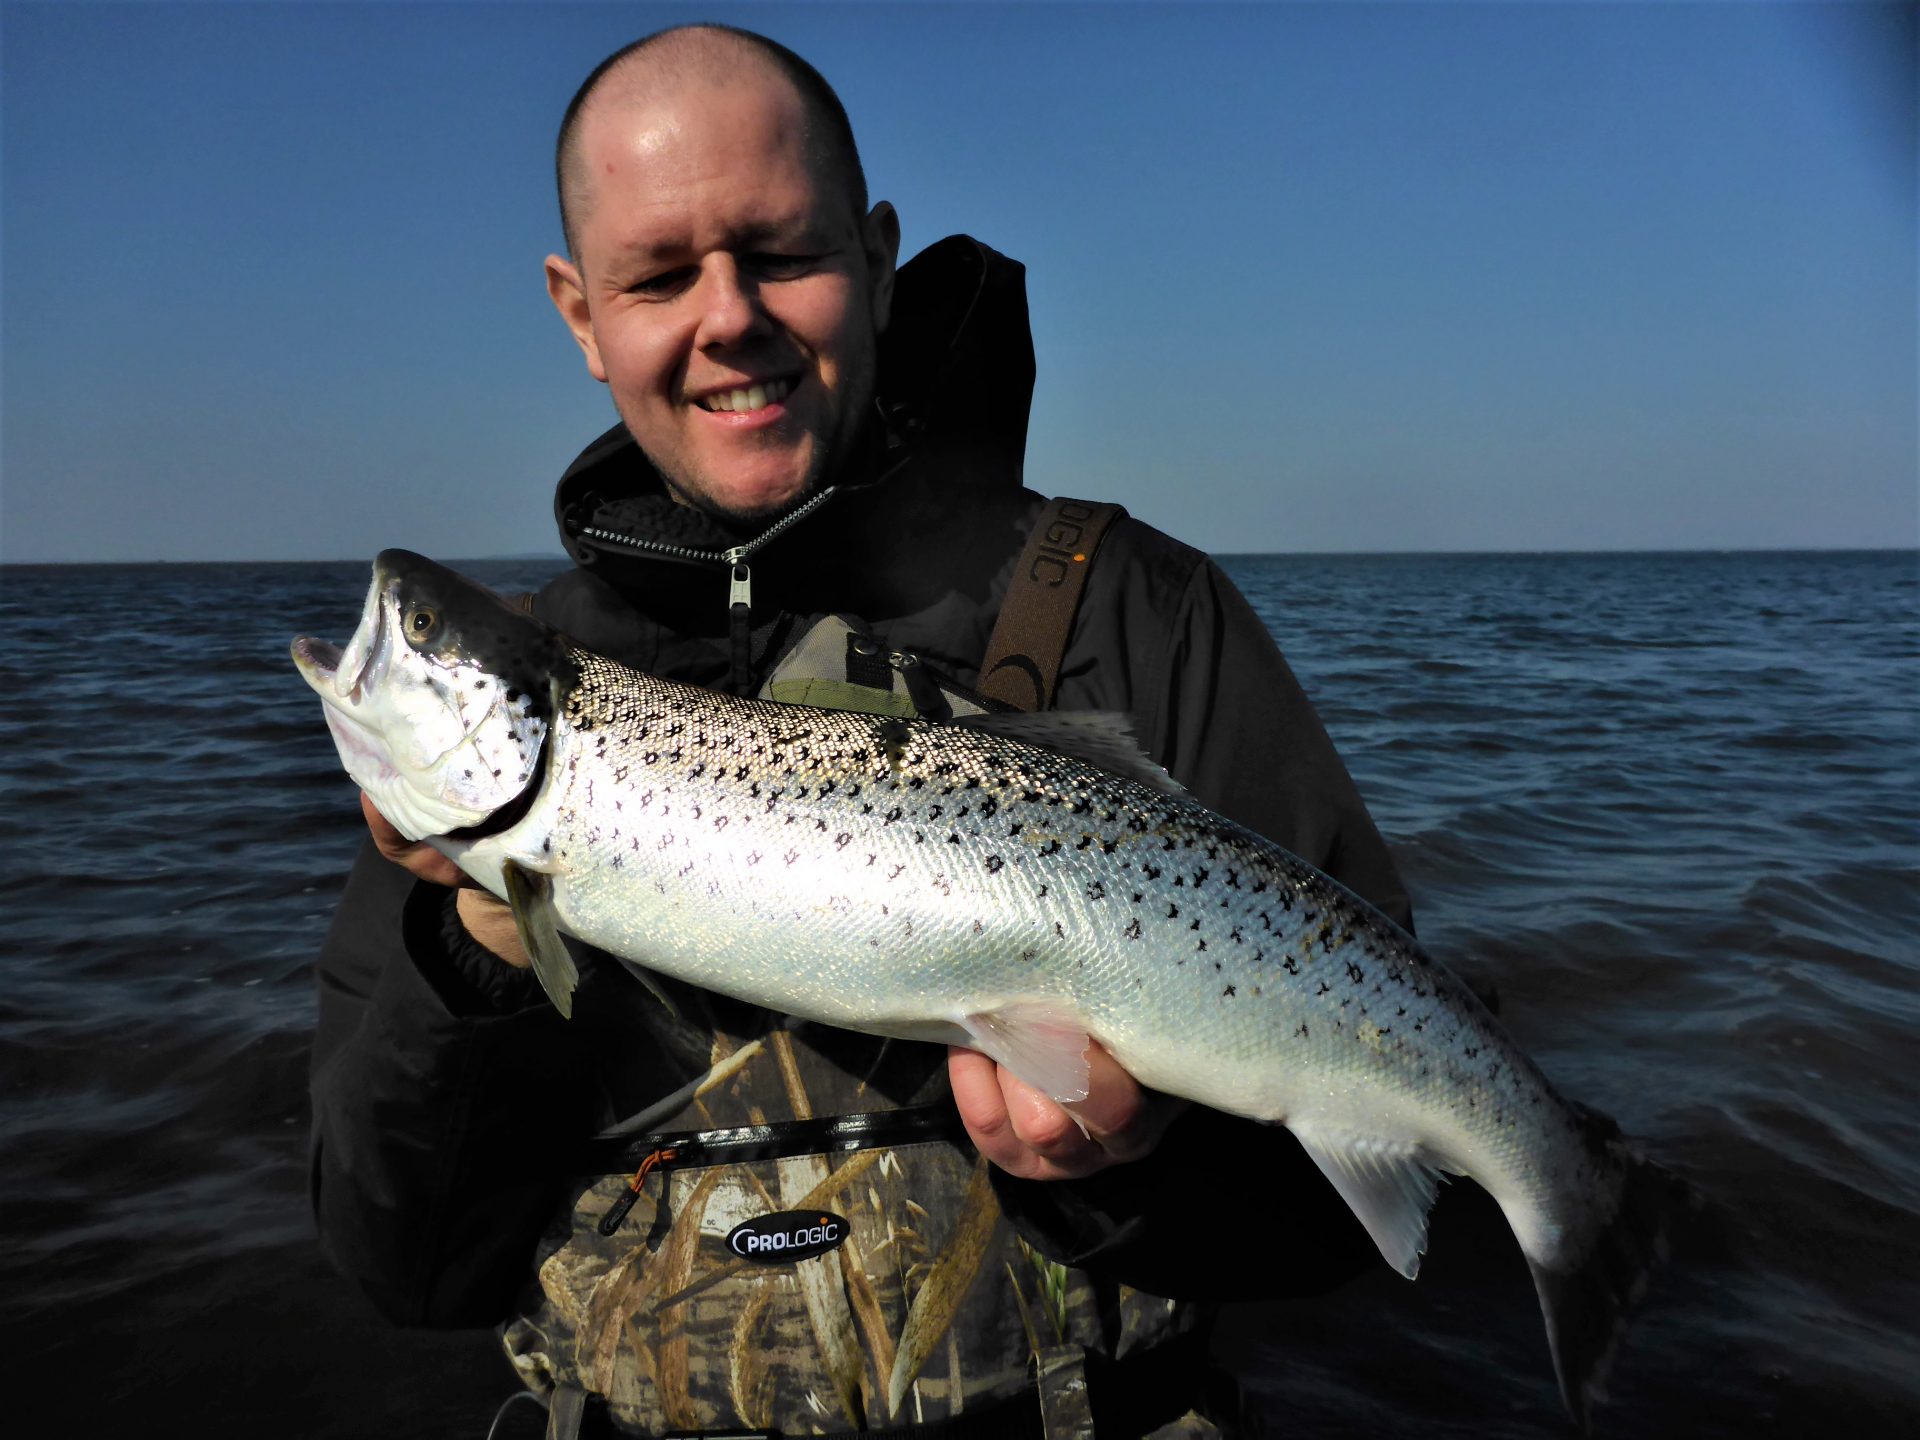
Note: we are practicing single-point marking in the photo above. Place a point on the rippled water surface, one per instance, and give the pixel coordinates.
(1665, 803)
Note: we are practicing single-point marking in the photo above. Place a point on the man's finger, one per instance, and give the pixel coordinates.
(1047, 1128)
(1028, 1134)
(416, 857)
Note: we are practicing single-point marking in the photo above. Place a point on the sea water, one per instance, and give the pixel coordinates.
(1665, 804)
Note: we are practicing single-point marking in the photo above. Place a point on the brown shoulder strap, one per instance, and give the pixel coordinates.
(1022, 663)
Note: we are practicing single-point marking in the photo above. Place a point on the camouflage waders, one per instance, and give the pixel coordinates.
(927, 1306)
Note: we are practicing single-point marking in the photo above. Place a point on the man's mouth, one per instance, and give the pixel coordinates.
(754, 397)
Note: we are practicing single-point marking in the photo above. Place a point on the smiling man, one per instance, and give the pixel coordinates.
(814, 492)
(727, 282)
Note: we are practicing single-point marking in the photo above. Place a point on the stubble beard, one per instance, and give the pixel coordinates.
(822, 467)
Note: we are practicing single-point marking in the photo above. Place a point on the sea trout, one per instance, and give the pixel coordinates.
(1018, 884)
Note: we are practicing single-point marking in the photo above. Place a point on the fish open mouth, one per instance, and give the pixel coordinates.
(318, 660)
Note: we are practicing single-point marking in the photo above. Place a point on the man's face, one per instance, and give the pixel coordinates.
(725, 291)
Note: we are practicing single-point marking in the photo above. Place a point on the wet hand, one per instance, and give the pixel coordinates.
(1029, 1134)
(488, 919)
(416, 857)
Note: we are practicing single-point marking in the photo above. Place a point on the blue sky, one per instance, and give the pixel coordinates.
(1303, 277)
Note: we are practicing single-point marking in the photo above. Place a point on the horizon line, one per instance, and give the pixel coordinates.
(561, 557)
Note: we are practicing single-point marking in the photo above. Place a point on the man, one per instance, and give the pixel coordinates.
(807, 433)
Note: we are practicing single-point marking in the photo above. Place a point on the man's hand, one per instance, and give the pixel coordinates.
(1030, 1135)
(416, 857)
(487, 919)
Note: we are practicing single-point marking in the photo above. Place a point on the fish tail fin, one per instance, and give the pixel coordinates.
(1589, 1288)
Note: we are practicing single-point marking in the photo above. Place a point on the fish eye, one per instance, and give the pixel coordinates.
(421, 624)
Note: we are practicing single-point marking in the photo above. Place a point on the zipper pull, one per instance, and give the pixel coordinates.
(740, 624)
(617, 1211)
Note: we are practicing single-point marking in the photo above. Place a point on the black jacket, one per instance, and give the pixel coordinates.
(447, 1094)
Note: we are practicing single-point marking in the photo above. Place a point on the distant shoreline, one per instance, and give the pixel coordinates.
(559, 558)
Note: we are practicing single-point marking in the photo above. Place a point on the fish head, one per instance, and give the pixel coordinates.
(440, 703)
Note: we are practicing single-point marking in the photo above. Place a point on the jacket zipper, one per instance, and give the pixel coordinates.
(739, 575)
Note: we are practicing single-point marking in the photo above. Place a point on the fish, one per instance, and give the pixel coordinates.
(1021, 884)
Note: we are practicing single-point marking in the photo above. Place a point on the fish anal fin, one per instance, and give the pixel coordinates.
(531, 896)
(1043, 1044)
(1389, 1185)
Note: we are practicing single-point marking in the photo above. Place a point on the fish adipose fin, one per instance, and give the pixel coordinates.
(1587, 1293)
(1037, 1041)
(1099, 737)
(531, 896)
(1389, 1186)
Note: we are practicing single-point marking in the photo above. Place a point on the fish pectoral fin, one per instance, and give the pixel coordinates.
(1043, 1044)
(1388, 1184)
(531, 896)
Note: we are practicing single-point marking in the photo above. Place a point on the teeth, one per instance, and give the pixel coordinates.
(754, 398)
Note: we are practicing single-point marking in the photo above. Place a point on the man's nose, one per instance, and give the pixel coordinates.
(730, 312)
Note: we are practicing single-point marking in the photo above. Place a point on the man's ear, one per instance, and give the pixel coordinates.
(880, 237)
(569, 297)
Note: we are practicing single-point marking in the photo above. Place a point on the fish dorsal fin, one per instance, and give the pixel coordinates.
(1099, 737)
(531, 896)
(1389, 1186)
(1038, 1041)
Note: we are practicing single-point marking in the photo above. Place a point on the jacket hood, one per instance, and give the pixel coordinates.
(955, 376)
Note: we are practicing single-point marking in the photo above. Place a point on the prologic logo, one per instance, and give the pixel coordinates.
(787, 1236)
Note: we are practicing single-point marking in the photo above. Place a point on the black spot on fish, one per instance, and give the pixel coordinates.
(994, 864)
(1302, 1031)
(1324, 988)
(1132, 932)
(1224, 994)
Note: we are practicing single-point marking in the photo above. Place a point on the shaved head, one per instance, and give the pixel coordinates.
(705, 56)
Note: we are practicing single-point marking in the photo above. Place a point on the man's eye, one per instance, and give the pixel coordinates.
(666, 283)
(781, 267)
